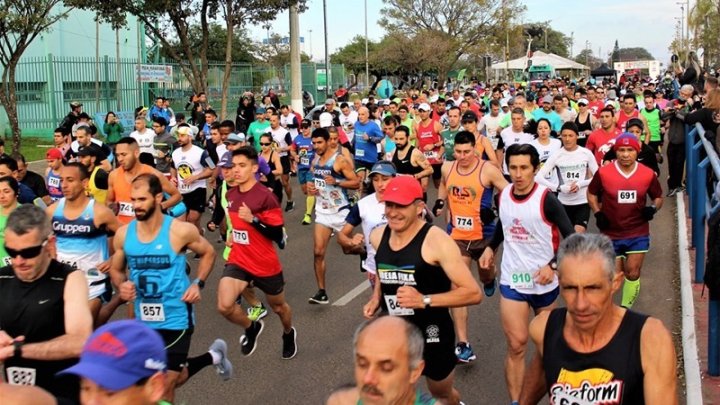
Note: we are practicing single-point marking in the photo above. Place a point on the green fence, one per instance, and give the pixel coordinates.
(46, 86)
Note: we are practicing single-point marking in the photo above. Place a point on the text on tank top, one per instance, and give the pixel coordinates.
(53, 186)
(331, 198)
(160, 279)
(466, 197)
(610, 375)
(428, 136)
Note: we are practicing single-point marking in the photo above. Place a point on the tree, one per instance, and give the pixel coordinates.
(587, 58)
(21, 21)
(217, 41)
(704, 22)
(461, 24)
(631, 54)
(172, 19)
(352, 56)
(276, 53)
(615, 57)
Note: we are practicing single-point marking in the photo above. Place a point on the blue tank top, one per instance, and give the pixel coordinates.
(305, 152)
(160, 280)
(80, 243)
(53, 186)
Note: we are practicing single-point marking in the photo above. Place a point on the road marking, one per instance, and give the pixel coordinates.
(352, 294)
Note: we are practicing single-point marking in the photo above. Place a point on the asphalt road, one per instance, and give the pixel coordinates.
(324, 361)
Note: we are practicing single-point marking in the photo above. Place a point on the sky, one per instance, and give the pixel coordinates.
(639, 23)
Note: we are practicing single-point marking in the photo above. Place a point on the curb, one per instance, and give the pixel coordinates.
(693, 382)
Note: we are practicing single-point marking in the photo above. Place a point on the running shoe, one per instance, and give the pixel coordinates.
(248, 341)
(489, 288)
(307, 220)
(464, 352)
(289, 206)
(224, 368)
(289, 344)
(257, 312)
(319, 298)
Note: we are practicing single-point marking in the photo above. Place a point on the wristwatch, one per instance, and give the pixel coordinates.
(200, 283)
(427, 301)
(17, 349)
(553, 265)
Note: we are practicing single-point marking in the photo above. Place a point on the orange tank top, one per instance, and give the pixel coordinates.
(466, 196)
(121, 188)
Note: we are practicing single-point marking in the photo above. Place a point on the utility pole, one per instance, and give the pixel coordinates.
(572, 40)
(367, 59)
(683, 38)
(295, 74)
(687, 24)
(507, 40)
(311, 48)
(587, 54)
(327, 54)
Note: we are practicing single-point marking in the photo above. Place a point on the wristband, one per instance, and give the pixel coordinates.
(17, 349)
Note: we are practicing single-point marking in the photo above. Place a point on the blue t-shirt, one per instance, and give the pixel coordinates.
(552, 116)
(366, 150)
(304, 149)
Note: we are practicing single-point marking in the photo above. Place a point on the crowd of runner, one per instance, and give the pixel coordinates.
(117, 221)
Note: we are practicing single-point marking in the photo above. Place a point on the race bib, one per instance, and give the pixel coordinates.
(320, 183)
(359, 153)
(464, 223)
(572, 175)
(21, 375)
(152, 312)
(54, 182)
(394, 308)
(304, 161)
(126, 209)
(430, 154)
(241, 237)
(184, 186)
(627, 197)
(521, 280)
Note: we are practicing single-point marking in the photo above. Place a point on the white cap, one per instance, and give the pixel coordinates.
(504, 102)
(365, 101)
(610, 102)
(434, 98)
(326, 120)
(583, 101)
(424, 107)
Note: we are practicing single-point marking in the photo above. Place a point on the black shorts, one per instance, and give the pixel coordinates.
(578, 214)
(437, 171)
(473, 248)
(656, 145)
(177, 347)
(439, 352)
(195, 200)
(285, 163)
(272, 285)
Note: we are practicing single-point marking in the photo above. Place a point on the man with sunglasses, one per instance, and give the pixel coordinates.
(629, 111)
(595, 100)
(44, 311)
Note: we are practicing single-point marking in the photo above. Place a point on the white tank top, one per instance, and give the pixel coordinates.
(372, 214)
(530, 241)
(187, 164)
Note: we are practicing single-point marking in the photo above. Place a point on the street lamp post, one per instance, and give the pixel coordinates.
(367, 60)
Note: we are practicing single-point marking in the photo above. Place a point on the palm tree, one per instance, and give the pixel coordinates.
(704, 22)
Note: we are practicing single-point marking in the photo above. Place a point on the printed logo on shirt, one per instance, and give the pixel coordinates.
(586, 387)
(519, 233)
(462, 194)
(404, 275)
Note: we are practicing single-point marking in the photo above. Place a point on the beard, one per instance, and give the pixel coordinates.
(143, 216)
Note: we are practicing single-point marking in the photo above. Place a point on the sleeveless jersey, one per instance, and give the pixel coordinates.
(530, 240)
(370, 213)
(305, 152)
(610, 375)
(623, 118)
(397, 268)
(582, 127)
(53, 185)
(81, 244)
(448, 138)
(4, 258)
(160, 280)
(330, 198)
(405, 166)
(466, 195)
(36, 310)
(121, 188)
(188, 163)
(427, 136)
(98, 194)
(654, 123)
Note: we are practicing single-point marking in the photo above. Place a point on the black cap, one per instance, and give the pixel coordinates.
(305, 123)
(469, 116)
(90, 150)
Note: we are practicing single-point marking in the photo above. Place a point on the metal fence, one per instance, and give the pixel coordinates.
(46, 85)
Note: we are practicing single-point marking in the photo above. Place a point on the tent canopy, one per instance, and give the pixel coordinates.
(541, 58)
(603, 70)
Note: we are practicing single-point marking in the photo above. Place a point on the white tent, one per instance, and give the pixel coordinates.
(541, 58)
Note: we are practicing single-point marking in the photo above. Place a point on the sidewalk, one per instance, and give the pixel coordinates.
(700, 387)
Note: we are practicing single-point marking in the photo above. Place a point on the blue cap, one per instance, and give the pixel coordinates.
(234, 138)
(384, 168)
(260, 110)
(225, 161)
(119, 354)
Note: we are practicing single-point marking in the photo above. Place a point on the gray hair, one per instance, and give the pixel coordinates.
(587, 244)
(27, 218)
(415, 340)
(687, 88)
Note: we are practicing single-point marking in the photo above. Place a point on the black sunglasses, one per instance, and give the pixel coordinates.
(264, 144)
(27, 253)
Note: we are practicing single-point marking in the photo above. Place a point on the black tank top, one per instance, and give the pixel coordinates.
(405, 166)
(610, 375)
(36, 311)
(407, 267)
(583, 126)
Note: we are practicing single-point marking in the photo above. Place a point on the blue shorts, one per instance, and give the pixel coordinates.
(535, 300)
(624, 247)
(304, 176)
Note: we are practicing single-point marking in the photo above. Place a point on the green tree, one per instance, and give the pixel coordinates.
(276, 54)
(462, 25)
(615, 56)
(631, 54)
(352, 56)
(21, 21)
(704, 22)
(217, 40)
(587, 58)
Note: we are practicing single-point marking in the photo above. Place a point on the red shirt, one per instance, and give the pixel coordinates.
(595, 107)
(600, 142)
(250, 250)
(623, 198)
(623, 118)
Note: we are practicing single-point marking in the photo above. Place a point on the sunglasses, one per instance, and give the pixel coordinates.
(264, 144)
(27, 253)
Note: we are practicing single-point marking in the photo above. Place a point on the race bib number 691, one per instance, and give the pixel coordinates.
(627, 196)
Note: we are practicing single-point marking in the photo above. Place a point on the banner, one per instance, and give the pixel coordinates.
(154, 73)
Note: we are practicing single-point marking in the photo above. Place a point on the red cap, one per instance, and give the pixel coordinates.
(403, 190)
(54, 153)
(627, 139)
